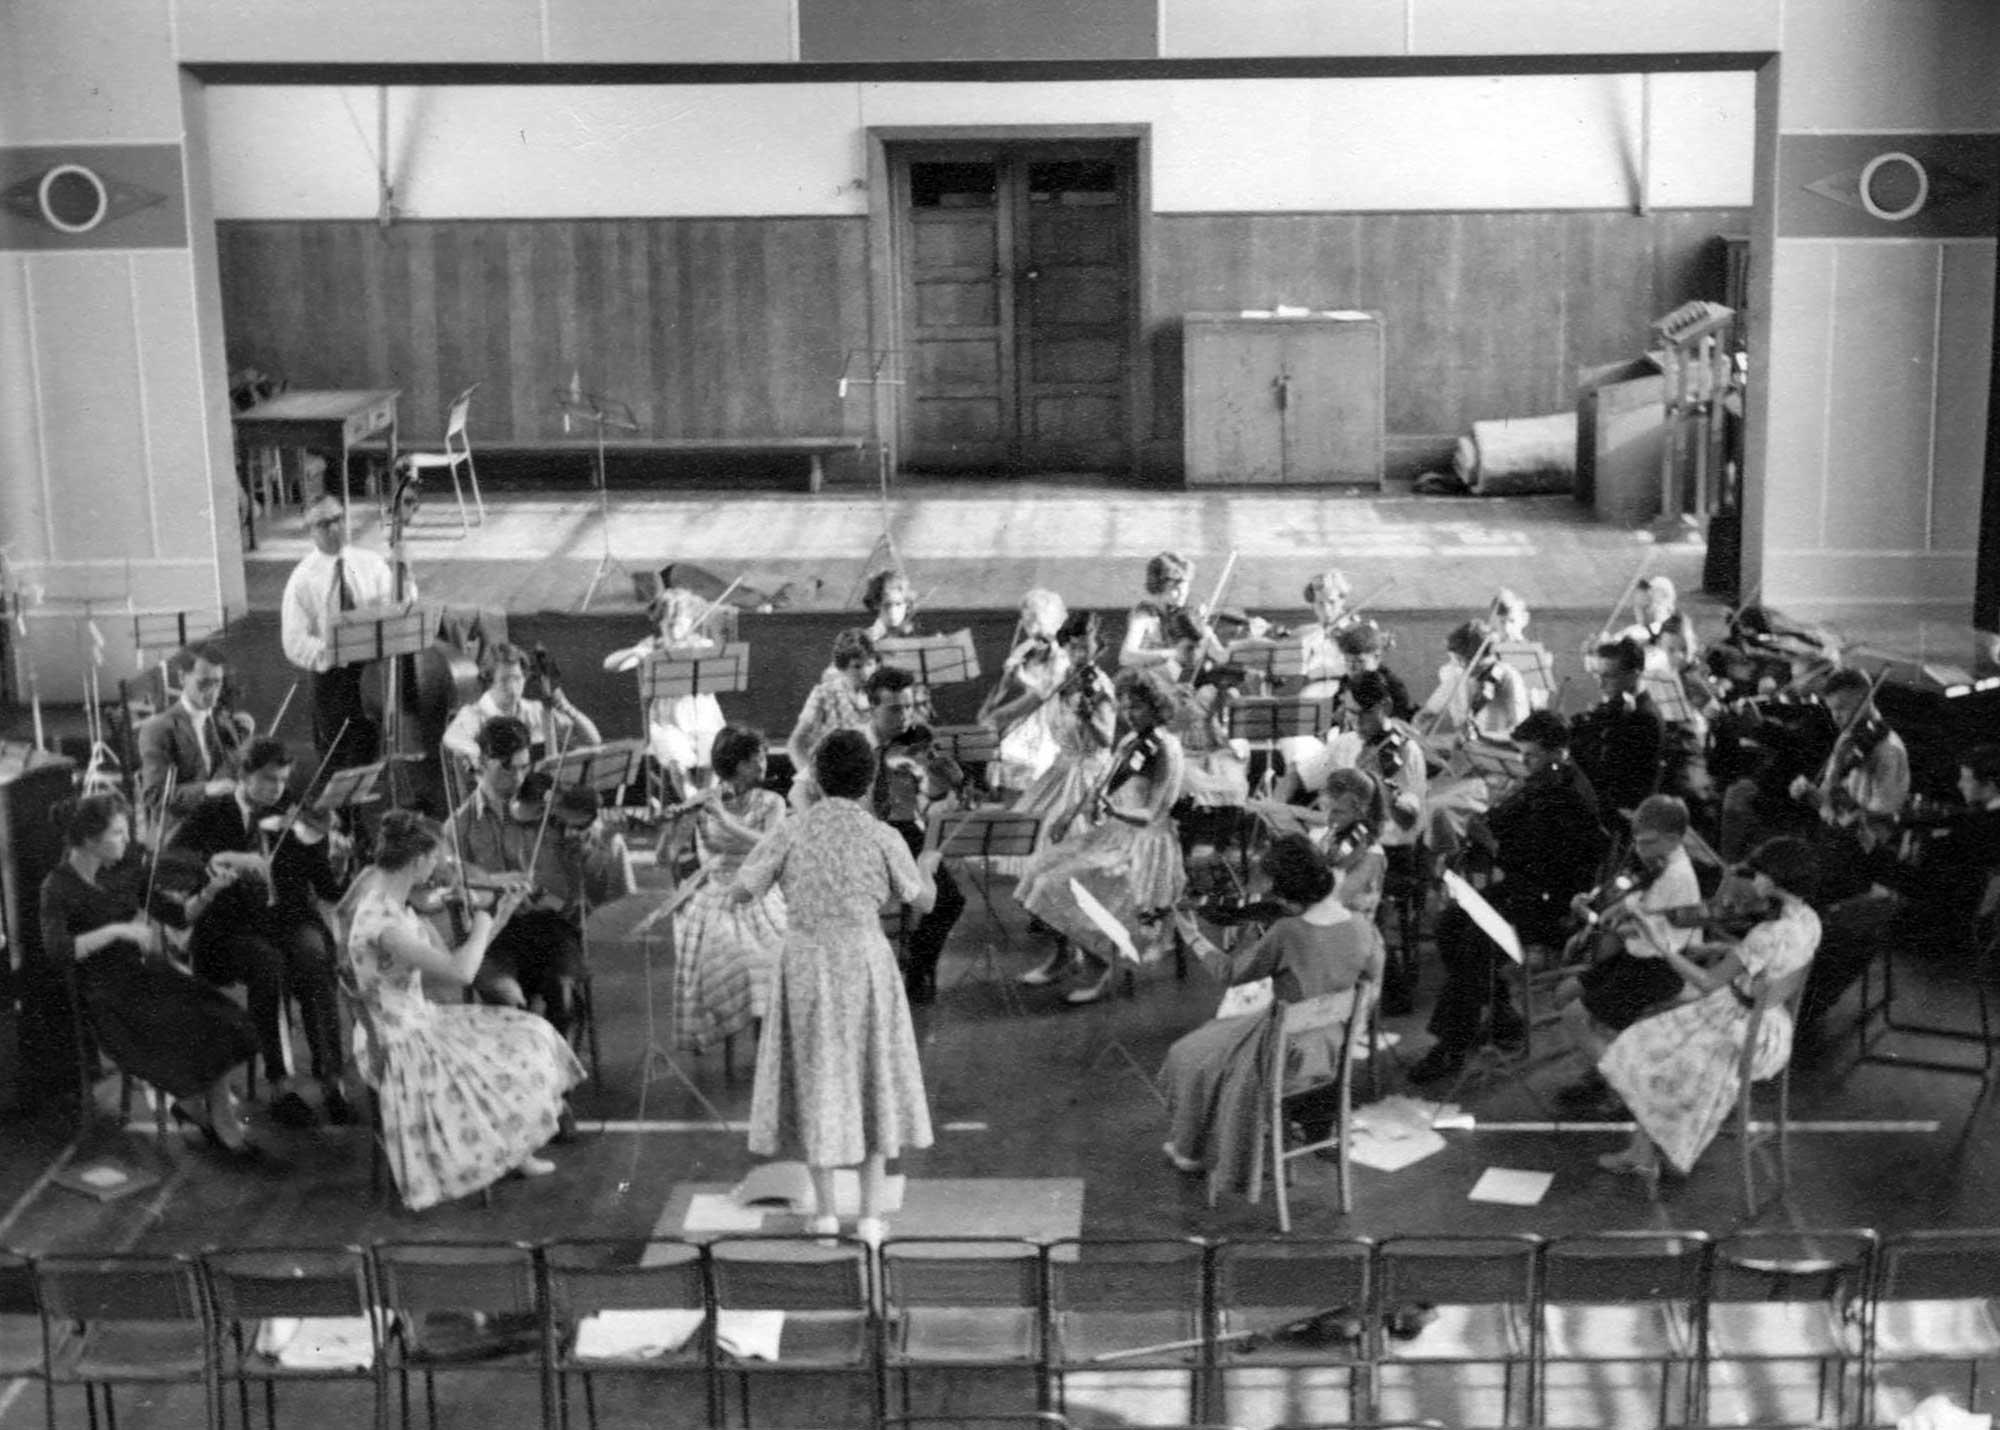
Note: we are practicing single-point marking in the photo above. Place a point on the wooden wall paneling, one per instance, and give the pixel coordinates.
(1411, 274)
(515, 391)
(634, 311)
(1608, 273)
(665, 253)
(419, 380)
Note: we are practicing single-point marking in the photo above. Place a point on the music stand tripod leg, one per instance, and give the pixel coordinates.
(1104, 1045)
(658, 1056)
(1488, 1065)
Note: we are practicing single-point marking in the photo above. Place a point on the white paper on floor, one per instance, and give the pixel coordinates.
(1511, 1186)
(1392, 1134)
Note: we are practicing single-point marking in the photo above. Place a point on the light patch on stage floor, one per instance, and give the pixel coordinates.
(1033, 1208)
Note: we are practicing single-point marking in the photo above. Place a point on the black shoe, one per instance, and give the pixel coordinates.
(339, 1111)
(565, 1126)
(289, 1109)
(1439, 1062)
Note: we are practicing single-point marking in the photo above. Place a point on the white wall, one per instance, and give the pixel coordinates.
(1218, 145)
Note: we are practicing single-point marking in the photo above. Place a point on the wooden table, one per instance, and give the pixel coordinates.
(329, 421)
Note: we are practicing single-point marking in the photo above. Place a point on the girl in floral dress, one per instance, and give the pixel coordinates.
(1021, 708)
(468, 1093)
(838, 1079)
(725, 952)
(836, 703)
(1131, 861)
(1677, 1070)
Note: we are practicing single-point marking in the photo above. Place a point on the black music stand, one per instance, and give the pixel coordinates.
(1487, 1064)
(1537, 667)
(604, 414)
(1263, 720)
(656, 1051)
(1272, 660)
(1103, 1043)
(986, 835)
(970, 747)
(691, 670)
(350, 788)
(607, 768)
(1496, 763)
(933, 660)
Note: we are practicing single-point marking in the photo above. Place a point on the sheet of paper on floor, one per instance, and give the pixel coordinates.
(1511, 1186)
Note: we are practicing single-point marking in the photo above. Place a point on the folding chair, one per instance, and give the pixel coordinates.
(1317, 1289)
(1622, 1297)
(1766, 996)
(461, 1306)
(1037, 1420)
(1455, 1300)
(1787, 1296)
(1311, 1051)
(824, 1297)
(1933, 1304)
(962, 1303)
(133, 1320)
(609, 1314)
(1126, 1304)
(24, 1351)
(327, 1297)
(457, 453)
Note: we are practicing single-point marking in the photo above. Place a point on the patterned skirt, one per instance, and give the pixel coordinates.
(725, 957)
(1135, 873)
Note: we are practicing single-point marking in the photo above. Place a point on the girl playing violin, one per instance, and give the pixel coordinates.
(1354, 807)
(1130, 861)
(680, 728)
(837, 702)
(1163, 630)
(891, 603)
(1083, 721)
(1021, 708)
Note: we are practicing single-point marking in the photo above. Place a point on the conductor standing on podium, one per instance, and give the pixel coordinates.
(334, 579)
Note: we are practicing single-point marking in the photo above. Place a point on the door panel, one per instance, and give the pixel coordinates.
(1019, 303)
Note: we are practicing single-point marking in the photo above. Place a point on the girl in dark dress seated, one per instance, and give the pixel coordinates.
(156, 1022)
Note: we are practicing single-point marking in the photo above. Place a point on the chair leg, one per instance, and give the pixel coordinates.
(464, 523)
(472, 475)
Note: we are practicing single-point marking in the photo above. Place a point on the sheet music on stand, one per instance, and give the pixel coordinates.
(377, 632)
(606, 768)
(350, 788)
(933, 660)
(967, 744)
(1274, 660)
(1283, 819)
(992, 833)
(1668, 696)
(1532, 659)
(687, 670)
(1263, 720)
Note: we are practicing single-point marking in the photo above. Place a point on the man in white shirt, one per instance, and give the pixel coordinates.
(334, 578)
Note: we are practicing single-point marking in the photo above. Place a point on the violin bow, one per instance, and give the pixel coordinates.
(153, 869)
(300, 808)
(283, 705)
(1459, 679)
(1846, 731)
(455, 792)
(1375, 593)
(548, 807)
(1221, 585)
(1631, 586)
(709, 608)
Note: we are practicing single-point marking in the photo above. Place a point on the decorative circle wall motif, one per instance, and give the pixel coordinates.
(1906, 167)
(72, 199)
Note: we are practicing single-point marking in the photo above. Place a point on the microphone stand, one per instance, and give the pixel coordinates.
(604, 414)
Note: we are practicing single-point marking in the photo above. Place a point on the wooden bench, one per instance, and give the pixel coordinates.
(814, 449)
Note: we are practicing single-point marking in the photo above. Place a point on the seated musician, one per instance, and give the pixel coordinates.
(1663, 630)
(552, 725)
(508, 844)
(1545, 843)
(189, 739)
(1213, 1077)
(334, 579)
(1867, 778)
(148, 1015)
(1507, 616)
(1620, 742)
(1325, 663)
(891, 603)
(909, 778)
(1478, 696)
(265, 931)
(1365, 643)
(1128, 859)
(1631, 978)
(680, 729)
(1355, 813)
(1022, 709)
(837, 702)
(1162, 629)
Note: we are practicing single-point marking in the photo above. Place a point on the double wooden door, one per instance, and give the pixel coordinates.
(1019, 303)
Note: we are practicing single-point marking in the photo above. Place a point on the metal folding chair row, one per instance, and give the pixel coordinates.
(717, 1319)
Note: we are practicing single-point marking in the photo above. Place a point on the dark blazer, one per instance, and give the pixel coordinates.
(167, 741)
(1550, 847)
(1619, 745)
(216, 825)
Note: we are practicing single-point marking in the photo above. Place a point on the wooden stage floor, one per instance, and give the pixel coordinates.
(973, 545)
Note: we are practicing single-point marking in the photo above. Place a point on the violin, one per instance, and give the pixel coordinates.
(1135, 759)
(1593, 904)
(1349, 840)
(1734, 910)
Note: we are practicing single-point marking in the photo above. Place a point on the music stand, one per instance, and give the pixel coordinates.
(604, 414)
(986, 835)
(374, 633)
(1261, 721)
(1273, 660)
(1496, 763)
(157, 636)
(656, 1052)
(970, 747)
(1104, 1043)
(1286, 819)
(1537, 667)
(1669, 698)
(688, 670)
(1487, 1063)
(933, 660)
(349, 788)
(606, 768)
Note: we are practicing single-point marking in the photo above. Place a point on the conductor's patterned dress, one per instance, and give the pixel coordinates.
(838, 1078)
